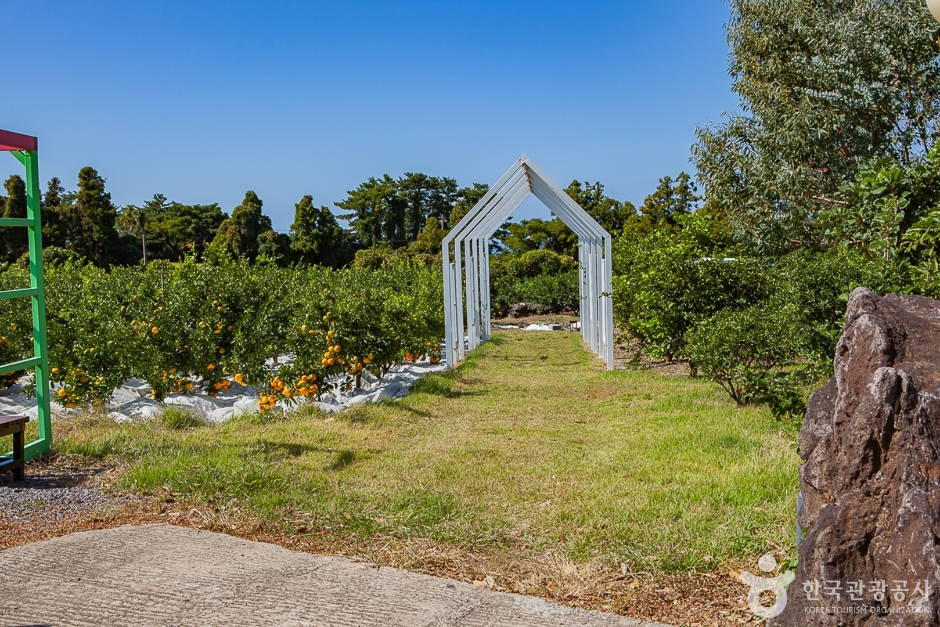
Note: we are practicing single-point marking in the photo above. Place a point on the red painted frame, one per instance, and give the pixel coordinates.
(17, 141)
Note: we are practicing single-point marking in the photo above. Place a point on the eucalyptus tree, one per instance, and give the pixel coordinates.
(824, 86)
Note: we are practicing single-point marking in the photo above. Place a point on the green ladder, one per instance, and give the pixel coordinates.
(26, 150)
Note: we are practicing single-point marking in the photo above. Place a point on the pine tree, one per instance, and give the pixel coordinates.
(393, 211)
(425, 196)
(611, 214)
(672, 198)
(467, 198)
(376, 212)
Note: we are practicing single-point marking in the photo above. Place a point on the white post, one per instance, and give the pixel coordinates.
(592, 296)
(448, 300)
(468, 272)
(474, 305)
(487, 300)
(600, 289)
(459, 302)
(609, 303)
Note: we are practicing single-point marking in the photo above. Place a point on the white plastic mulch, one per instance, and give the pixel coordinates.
(537, 327)
(132, 401)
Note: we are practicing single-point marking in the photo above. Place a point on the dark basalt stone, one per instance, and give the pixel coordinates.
(520, 310)
(871, 481)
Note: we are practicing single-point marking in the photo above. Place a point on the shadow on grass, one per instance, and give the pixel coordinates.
(343, 459)
(290, 449)
(496, 340)
(443, 385)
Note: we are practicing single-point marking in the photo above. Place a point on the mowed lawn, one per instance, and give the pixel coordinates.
(529, 443)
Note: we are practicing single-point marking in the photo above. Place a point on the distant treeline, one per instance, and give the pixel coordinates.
(409, 215)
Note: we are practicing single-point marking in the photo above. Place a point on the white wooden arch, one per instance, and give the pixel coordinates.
(466, 262)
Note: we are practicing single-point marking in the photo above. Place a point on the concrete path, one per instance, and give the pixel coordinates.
(166, 576)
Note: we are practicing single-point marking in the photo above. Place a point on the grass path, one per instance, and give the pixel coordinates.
(530, 446)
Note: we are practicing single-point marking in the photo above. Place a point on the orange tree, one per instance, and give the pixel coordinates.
(90, 350)
(355, 320)
(309, 334)
(15, 325)
(185, 319)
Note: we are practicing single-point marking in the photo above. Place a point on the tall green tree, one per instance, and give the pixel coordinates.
(275, 247)
(14, 239)
(15, 206)
(54, 231)
(393, 212)
(93, 218)
(190, 228)
(661, 209)
(430, 239)
(139, 221)
(823, 87)
(376, 212)
(172, 229)
(240, 233)
(316, 237)
(425, 197)
(610, 213)
(467, 197)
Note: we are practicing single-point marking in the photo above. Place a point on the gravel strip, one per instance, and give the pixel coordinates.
(51, 496)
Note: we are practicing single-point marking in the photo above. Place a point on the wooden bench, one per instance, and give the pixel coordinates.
(15, 426)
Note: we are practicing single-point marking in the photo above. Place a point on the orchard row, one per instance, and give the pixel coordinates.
(191, 327)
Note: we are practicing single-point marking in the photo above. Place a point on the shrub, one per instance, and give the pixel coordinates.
(555, 293)
(382, 256)
(542, 277)
(664, 284)
(531, 264)
(815, 286)
(740, 348)
(16, 324)
(92, 348)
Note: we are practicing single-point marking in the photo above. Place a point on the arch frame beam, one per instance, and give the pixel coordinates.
(466, 263)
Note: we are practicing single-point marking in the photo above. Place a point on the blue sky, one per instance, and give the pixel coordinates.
(202, 101)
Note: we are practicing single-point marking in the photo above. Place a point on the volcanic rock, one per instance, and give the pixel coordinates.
(521, 310)
(871, 481)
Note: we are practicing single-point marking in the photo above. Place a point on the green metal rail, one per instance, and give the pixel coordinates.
(36, 292)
